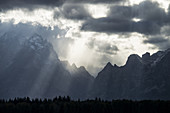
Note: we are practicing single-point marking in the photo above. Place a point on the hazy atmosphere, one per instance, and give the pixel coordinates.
(91, 33)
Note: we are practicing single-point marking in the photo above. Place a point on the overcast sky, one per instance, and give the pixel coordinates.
(93, 32)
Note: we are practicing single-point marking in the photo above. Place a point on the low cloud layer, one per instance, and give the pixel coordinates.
(30, 4)
(159, 41)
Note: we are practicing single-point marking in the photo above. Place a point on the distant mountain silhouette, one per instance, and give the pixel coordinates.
(29, 66)
(32, 68)
(140, 78)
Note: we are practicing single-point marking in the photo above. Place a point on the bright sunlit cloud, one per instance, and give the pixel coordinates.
(98, 11)
(132, 2)
(40, 16)
(136, 19)
(163, 3)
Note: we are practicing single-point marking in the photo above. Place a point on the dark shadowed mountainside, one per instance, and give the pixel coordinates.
(140, 78)
(29, 66)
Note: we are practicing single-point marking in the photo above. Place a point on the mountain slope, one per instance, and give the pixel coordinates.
(32, 68)
(140, 78)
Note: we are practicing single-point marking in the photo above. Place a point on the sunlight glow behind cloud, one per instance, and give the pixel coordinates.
(78, 51)
(98, 11)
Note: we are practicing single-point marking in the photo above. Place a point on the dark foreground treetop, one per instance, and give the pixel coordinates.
(66, 105)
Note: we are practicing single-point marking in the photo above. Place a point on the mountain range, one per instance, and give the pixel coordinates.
(29, 66)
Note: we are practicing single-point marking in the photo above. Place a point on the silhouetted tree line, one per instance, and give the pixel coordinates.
(66, 105)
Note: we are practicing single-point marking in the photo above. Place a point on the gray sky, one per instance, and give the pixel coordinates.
(93, 32)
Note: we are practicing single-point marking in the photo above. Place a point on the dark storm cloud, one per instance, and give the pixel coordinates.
(156, 40)
(32, 4)
(120, 19)
(94, 1)
(73, 11)
(159, 41)
(121, 12)
(112, 25)
(108, 25)
(150, 11)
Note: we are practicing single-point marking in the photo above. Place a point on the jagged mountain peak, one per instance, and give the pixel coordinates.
(82, 68)
(41, 75)
(134, 59)
(134, 56)
(146, 55)
(83, 72)
(74, 66)
(35, 70)
(108, 66)
(74, 71)
(146, 58)
(137, 79)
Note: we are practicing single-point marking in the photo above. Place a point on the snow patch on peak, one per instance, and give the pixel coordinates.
(36, 42)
